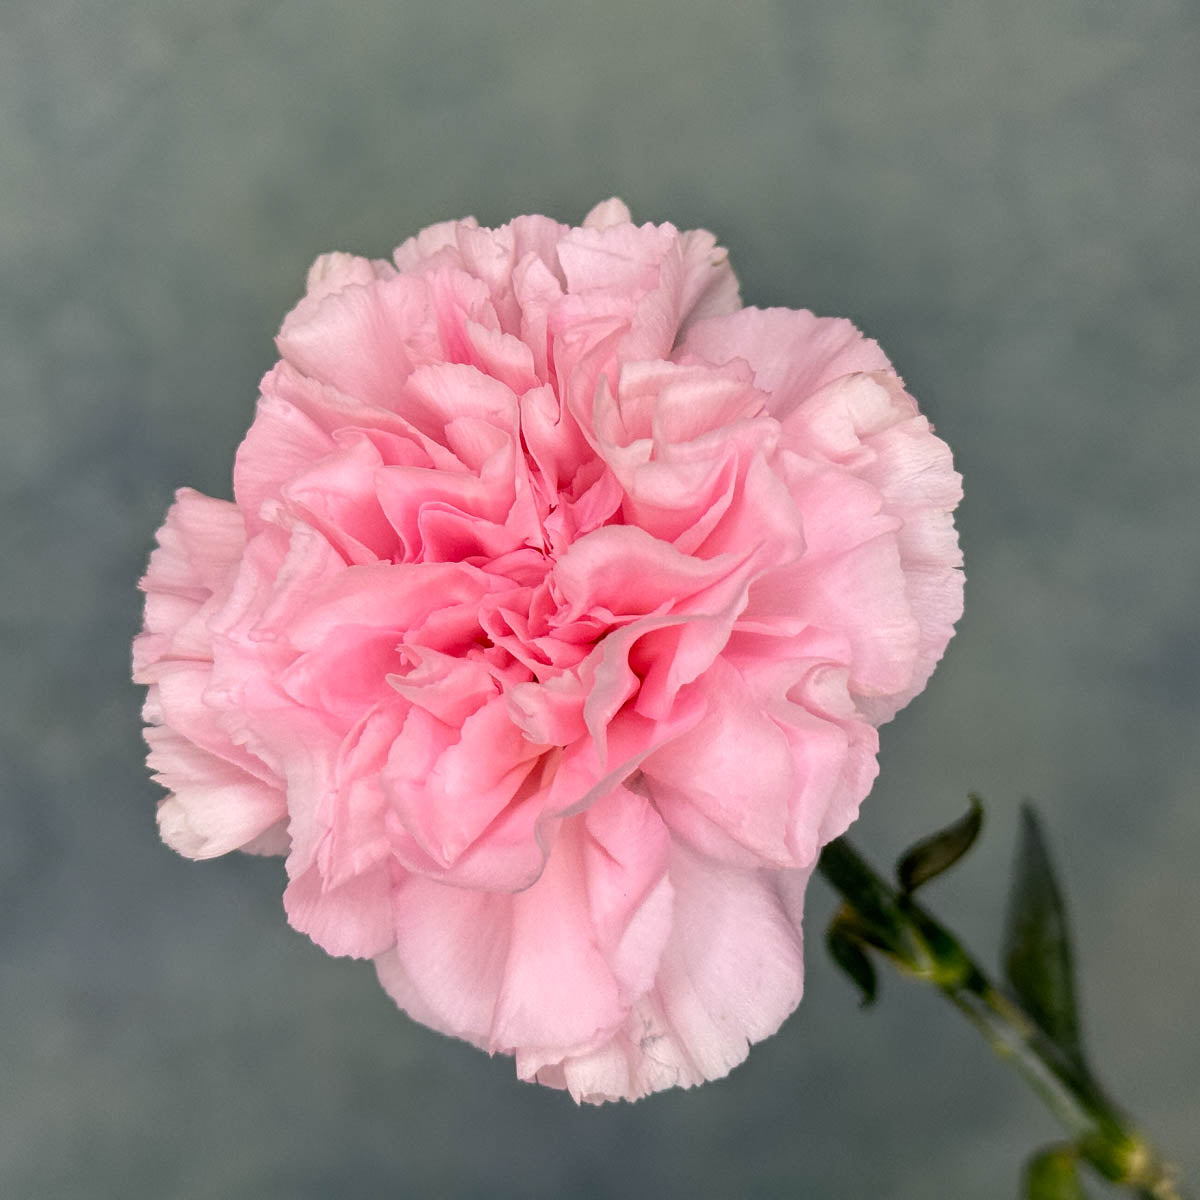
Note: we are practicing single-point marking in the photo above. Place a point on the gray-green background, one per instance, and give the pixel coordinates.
(1005, 194)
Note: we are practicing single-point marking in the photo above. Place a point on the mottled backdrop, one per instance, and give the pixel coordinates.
(1005, 194)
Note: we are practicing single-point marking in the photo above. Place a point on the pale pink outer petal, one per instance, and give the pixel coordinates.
(222, 798)
(337, 270)
(608, 212)
(792, 352)
(647, 277)
(731, 973)
(914, 472)
(354, 918)
(432, 243)
(834, 749)
(871, 426)
(333, 273)
(198, 549)
(551, 969)
(710, 288)
(365, 341)
(215, 806)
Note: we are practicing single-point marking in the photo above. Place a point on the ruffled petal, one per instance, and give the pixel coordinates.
(352, 919)
(215, 805)
(791, 352)
(725, 785)
(447, 785)
(731, 973)
(364, 341)
(552, 968)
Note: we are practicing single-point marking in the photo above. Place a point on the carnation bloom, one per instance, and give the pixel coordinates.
(548, 633)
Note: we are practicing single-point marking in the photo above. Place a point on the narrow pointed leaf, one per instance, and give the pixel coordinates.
(847, 951)
(868, 898)
(1037, 946)
(928, 858)
(1051, 1174)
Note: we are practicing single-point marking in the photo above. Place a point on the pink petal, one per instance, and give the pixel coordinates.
(626, 571)
(730, 974)
(546, 967)
(352, 819)
(791, 352)
(710, 288)
(353, 919)
(346, 674)
(198, 546)
(337, 496)
(549, 713)
(281, 443)
(725, 785)
(183, 704)
(452, 945)
(621, 258)
(332, 273)
(364, 341)
(734, 968)
(448, 687)
(432, 243)
(537, 289)
(215, 805)
(385, 596)
(607, 213)
(447, 786)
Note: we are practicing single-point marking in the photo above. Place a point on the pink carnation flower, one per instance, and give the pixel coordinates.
(548, 635)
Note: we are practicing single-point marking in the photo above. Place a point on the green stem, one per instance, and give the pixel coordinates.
(917, 944)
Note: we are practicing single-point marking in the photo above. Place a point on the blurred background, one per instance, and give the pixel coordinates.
(1004, 194)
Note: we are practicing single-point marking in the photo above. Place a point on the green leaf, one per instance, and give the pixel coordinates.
(928, 858)
(847, 951)
(1051, 1175)
(870, 901)
(1037, 944)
